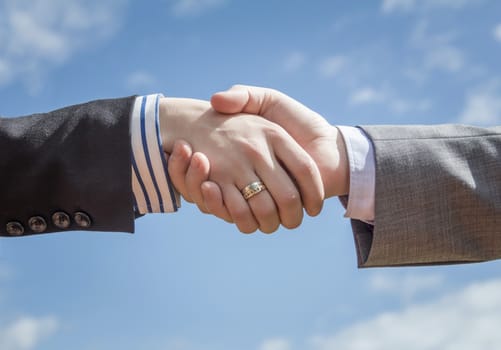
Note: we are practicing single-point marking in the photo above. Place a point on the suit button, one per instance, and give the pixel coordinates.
(61, 220)
(37, 224)
(82, 219)
(15, 228)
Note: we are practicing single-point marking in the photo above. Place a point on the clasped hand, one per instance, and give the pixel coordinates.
(249, 135)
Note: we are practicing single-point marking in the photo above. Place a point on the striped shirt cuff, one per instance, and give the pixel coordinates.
(151, 185)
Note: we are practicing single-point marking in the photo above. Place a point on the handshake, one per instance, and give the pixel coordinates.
(255, 158)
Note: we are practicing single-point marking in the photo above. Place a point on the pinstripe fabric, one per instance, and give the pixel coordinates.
(153, 191)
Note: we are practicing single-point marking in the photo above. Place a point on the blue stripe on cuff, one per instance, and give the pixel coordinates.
(141, 183)
(147, 153)
(164, 161)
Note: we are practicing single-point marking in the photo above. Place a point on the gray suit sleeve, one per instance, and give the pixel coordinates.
(69, 169)
(438, 196)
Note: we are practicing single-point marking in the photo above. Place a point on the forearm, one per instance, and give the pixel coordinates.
(72, 160)
(437, 195)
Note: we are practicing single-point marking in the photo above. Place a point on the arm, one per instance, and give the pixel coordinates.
(242, 150)
(60, 165)
(71, 169)
(437, 187)
(438, 191)
(320, 140)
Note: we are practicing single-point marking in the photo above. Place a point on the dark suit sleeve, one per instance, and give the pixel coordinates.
(438, 196)
(73, 163)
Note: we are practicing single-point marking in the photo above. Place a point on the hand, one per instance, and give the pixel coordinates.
(321, 140)
(241, 150)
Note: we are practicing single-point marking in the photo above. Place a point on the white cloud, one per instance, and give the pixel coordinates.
(407, 286)
(435, 52)
(275, 344)
(446, 58)
(189, 8)
(402, 106)
(391, 6)
(497, 32)
(482, 107)
(331, 66)
(389, 98)
(464, 320)
(140, 80)
(366, 95)
(27, 332)
(294, 62)
(38, 34)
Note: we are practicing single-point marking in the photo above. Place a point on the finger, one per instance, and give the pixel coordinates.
(297, 119)
(243, 98)
(197, 173)
(304, 172)
(279, 184)
(178, 163)
(213, 199)
(240, 211)
(265, 211)
(283, 191)
(231, 101)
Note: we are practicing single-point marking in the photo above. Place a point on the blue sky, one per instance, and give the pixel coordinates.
(189, 282)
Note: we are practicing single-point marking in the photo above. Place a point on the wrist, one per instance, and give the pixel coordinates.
(177, 118)
(336, 171)
(342, 172)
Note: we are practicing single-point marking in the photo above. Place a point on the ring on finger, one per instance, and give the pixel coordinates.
(252, 189)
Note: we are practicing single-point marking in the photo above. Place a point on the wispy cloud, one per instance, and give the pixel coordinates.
(190, 8)
(405, 286)
(366, 95)
(389, 98)
(26, 333)
(332, 66)
(294, 62)
(39, 34)
(483, 106)
(140, 81)
(435, 52)
(497, 32)
(468, 319)
(391, 6)
(446, 58)
(275, 344)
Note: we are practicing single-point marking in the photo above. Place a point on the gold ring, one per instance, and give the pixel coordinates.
(252, 189)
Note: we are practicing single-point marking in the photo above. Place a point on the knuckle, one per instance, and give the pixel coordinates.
(253, 149)
(289, 200)
(240, 214)
(265, 212)
(307, 168)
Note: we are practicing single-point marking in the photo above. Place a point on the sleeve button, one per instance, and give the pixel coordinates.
(14, 228)
(37, 224)
(61, 220)
(82, 219)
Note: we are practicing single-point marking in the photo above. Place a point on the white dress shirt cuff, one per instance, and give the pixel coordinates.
(361, 197)
(151, 185)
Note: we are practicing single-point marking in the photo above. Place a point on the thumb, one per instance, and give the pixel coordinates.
(231, 101)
